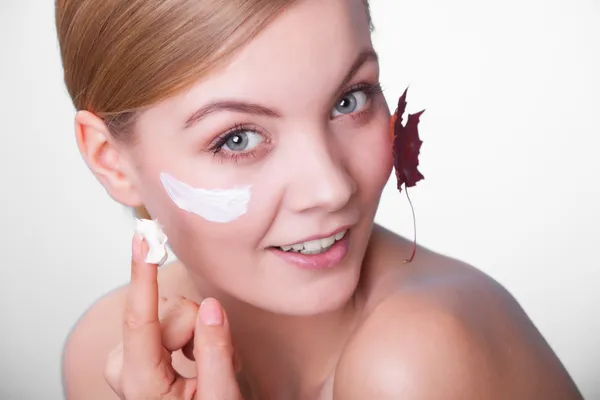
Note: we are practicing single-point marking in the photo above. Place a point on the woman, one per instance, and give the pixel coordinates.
(256, 133)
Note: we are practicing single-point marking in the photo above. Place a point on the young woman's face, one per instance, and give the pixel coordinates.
(298, 117)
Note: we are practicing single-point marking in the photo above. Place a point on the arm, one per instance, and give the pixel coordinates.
(412, 348)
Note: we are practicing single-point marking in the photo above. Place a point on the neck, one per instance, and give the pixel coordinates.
(282, 352)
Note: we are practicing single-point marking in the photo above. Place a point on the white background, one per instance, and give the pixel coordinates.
(510, 157)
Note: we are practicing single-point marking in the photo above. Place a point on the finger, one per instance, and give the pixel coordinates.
(113, 368)
(177, 320)
(142, 347)
(188, 348)
(213, 351)
(188, 352)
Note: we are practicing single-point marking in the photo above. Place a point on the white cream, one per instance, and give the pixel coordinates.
(217, 205)
(152, 232)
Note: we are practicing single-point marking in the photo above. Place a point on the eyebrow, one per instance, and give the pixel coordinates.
(229, 105)
(256, 109)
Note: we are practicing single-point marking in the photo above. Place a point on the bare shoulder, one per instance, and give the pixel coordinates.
(90, 341)
(442, 329)
(93, 337)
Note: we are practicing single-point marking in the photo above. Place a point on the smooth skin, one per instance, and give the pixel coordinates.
(372, 327)
(432, 329)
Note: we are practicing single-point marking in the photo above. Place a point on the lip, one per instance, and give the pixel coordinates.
(315, 237)
(326, 260)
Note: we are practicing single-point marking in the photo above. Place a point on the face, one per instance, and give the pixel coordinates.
(299, 122)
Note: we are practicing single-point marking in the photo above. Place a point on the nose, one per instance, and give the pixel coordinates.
(321, 180)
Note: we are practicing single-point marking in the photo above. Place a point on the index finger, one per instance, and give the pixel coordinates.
(142, 346)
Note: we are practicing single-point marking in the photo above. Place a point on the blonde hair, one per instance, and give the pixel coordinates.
(122, 56)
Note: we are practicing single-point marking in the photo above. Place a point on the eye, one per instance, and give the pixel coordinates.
(242, 141)
(350, 103)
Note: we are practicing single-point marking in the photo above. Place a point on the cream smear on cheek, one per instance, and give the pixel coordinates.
(216, 205)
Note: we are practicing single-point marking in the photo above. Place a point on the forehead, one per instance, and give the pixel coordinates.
(305, 35)
(311, 44)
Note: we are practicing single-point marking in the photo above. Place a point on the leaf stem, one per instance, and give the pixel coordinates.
(412, 256)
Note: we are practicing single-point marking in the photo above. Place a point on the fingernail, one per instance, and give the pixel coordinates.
(211, 313)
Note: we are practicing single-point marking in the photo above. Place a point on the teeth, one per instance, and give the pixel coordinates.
(315, 246)
(327, 241)
(312, 245)
(320, 250)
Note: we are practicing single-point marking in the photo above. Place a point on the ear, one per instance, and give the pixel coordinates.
(105, 157)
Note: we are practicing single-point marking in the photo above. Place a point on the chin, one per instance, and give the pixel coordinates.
(323, 292)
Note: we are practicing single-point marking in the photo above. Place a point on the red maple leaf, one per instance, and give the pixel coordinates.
(407, 145)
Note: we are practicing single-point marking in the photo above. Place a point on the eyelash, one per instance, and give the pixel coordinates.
(371, 90)
(217, 147)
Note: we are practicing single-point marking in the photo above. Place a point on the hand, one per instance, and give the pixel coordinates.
(140, 367)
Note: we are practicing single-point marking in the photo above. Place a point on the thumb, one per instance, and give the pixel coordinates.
(213, 351)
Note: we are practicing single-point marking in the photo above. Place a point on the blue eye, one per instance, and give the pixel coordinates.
(350, 103)
(241, 141)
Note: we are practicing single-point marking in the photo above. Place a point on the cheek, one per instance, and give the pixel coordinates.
(194, 239)
(216, 250)
(192, 235)
(202, 214)
(371, 157)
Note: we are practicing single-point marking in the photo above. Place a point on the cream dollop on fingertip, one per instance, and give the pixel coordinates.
(152, 232)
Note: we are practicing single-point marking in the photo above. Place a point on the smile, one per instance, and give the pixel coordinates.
(315, 246)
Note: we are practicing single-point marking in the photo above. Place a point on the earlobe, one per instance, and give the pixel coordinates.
(103, 155)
